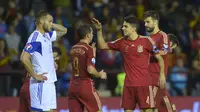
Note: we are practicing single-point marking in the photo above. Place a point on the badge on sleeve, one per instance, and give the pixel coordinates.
(28, 47)
(93, 61)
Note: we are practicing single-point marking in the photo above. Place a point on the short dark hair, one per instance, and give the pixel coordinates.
(173, 38)
(57, 50)
(152, 14)
(83, 30)
(40, 14)
(131, 19)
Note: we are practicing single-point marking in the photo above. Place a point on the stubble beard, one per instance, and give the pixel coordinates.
(149, 30)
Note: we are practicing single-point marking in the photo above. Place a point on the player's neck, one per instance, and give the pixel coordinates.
(84, 41)
(156, 30)
(38, 28)
(134, 36)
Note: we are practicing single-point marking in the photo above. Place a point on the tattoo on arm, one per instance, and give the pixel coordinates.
(60, 34)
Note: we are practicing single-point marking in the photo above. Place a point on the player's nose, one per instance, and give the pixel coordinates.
(145, 24)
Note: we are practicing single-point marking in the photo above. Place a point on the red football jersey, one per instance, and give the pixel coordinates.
(136, 55)
(24, 96)
(162, 43)
(81, 55)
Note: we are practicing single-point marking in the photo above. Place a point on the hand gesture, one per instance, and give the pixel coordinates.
(162, 81)
(40, 77)
(103, 74)
(97, 24)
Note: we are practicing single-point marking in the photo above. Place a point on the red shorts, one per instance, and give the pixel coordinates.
(24, 97)
(162, 100)
(83, 94)
(142, 95)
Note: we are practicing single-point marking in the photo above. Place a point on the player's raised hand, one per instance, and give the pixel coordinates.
(162, 81)
(103, 74)
(40, 77)
(96, 23)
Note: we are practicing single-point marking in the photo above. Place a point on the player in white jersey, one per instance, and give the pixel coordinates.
(37, 58)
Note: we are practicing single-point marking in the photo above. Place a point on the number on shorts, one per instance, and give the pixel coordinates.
(76, 66)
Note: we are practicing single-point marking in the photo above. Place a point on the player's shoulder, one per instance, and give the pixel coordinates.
(35, 36)
(162, 34)
(82, 45)
(147, 38)
(121, 39)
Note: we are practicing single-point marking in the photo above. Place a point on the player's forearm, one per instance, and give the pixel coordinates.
(91, 70)
(161, 64)
(101, 42)
(60, 30)
(28, 66)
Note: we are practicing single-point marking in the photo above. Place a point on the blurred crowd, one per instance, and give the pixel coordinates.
(181, 17)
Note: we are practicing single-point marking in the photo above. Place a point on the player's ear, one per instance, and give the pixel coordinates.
(156, 21)
(88, 35)
(170, 43)
(41, 21)
(134, 29)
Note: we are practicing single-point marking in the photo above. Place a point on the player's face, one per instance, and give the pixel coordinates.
(127, 29)
(48, 23)
(149, 24)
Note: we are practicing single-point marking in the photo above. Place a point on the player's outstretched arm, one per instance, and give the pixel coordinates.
(92, 70)
(162, 79)
(25, 59)
(101, 42)
(60, 30)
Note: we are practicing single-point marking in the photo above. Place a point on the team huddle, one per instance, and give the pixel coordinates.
(145, 60)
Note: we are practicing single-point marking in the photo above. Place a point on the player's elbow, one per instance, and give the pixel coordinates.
(24, 57)
(64, 30)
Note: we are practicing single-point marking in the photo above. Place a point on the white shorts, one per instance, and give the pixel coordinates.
(42, 96)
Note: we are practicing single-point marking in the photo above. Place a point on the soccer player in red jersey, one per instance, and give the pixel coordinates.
(24, 96)
(136, 50)
(151, 20)
(82, 92)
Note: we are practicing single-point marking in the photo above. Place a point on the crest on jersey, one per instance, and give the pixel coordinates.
(28, 46)
(140, 48)
(93, 61)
